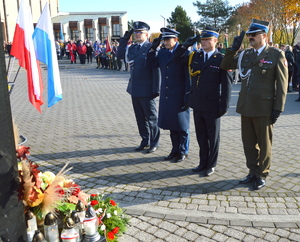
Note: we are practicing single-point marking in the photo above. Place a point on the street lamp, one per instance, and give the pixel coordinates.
(164, 20)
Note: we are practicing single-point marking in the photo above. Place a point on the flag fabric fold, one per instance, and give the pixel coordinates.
(44, 42)
(23, 50)
(108, 48)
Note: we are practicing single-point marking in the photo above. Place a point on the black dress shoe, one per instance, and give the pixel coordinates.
(152, 149)
(259, 183)
(170, 156)
(247, 179)
(297, 100)
(181, 157)
(199, 168)
(142, 147)
(210, 171)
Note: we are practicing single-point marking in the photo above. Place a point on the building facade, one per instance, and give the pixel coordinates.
(92, 25)
(9, 10)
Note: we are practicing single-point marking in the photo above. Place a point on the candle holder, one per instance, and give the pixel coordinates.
(31, 224)
(38, 237)
(69, 233)
(80, 209)
(90, 225)
(77, 224)
(51, 228)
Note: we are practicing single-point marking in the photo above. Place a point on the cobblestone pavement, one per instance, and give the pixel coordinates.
(94, 129)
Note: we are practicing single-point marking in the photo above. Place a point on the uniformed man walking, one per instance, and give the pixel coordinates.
(264, 74)
(173, 113)
(209, 96)
(143, 85)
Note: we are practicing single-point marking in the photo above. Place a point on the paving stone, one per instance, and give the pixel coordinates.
(143, 236)
(255, 232)
(271, 237)
(219, 237)
(233, 233)
(218, 221)
(161, 233)
(242, 223)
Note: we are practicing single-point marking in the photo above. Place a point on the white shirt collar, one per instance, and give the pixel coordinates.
(209, 53)
(261, 49)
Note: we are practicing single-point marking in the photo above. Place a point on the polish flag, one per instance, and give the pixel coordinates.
(45, 50)
(23, 50)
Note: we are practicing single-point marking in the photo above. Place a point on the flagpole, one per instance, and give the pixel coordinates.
(12, 222)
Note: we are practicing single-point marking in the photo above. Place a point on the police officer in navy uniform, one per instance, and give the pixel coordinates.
(264, 74)
(143, 85)
(173, 113)
(209, 96)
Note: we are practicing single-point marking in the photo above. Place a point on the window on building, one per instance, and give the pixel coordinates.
(102, 33)
(73, 25)
(89, 33)
(74, 34)
(116, 30)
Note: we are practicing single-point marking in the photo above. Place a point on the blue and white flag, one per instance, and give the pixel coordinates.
(45, 50)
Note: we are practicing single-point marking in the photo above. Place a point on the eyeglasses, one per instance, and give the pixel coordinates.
(139, 32)
(254, 34)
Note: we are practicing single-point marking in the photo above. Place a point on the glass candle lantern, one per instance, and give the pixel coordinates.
(69, 233)
(51, 228)
(77, 224)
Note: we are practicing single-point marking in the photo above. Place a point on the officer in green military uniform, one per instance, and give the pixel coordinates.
(264, 74)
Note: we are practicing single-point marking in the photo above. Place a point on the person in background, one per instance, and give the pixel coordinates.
(264, 73)
(81, 49)
(296, 76)
(291, 63)
(89, 52)
(57, 46)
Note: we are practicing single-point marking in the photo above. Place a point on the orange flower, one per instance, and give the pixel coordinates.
(110, 235)
(112, 202)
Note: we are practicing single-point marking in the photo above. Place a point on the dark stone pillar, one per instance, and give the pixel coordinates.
(12, 220)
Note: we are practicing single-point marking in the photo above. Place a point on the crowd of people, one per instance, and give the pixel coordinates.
(87, 51)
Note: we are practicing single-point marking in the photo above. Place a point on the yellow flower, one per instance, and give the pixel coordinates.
(48, 177)
(68, 183)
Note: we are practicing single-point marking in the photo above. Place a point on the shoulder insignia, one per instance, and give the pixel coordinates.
(275, 49)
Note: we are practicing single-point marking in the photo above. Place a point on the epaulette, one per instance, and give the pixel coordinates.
(276, 49)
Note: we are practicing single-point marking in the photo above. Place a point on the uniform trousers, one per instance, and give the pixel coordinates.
(207, 125)
(257, 135)
(180, 141)
(146, 117)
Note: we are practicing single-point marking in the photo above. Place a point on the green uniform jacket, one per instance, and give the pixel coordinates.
(266, 87)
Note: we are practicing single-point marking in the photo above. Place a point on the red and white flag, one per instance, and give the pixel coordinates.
(108, 48)
(23, 50)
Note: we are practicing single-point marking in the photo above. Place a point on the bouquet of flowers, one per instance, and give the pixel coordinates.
(45, 192)
(112, 220)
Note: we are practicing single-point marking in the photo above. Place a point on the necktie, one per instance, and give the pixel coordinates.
(206, 57)
(170, 53)
(256, 52)
(138, 47)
